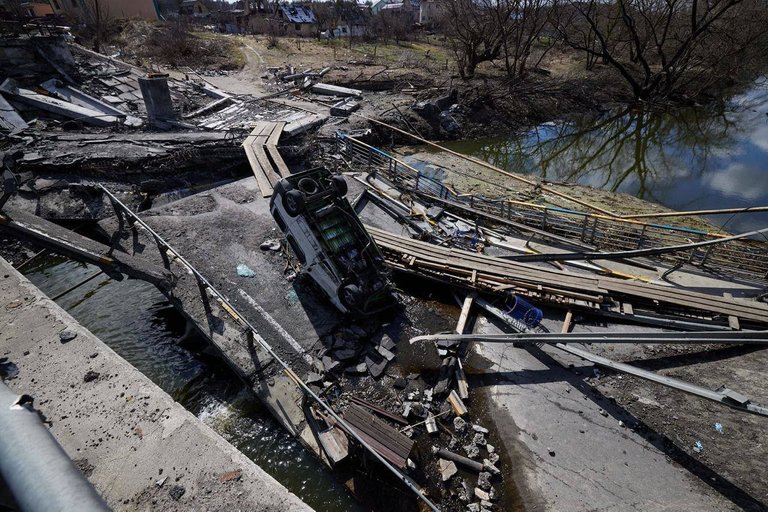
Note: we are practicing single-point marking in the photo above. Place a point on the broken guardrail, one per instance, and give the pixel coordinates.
(240, 319)
(35, 467)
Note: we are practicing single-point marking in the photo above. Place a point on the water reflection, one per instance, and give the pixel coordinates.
(689, 158)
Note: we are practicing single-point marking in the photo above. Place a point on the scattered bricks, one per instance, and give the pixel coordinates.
(484, 481)
(479, 439)
(471, 450)
(385, 353)
(447, 469)
(478, 428)
(473, 507)
(387, 342)
(490, 448)
(375, 365)
(459, 425)
(482, 494)
(493, 458)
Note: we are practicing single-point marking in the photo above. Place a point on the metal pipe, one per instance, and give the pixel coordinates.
(724, 396)
(687, 338)
(36, 469)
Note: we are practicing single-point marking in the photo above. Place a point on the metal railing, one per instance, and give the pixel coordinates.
(742, 258)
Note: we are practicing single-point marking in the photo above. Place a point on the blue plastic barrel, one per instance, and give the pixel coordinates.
(525, 311)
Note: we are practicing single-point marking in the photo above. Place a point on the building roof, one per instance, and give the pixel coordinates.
(297, 13)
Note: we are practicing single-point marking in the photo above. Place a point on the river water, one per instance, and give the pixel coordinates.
(686, 159)
(136, 321)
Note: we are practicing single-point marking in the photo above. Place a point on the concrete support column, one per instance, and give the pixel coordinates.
(157, 98)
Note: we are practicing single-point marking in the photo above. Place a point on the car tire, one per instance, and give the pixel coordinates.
(350, 296)
(308, 186)
(340, 185)
(293, 202)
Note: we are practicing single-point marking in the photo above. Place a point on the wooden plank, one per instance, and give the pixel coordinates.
(458, 406)
(454, 261)
(567, 322)
(334, 443)
(376, 428)
(378, 410)
(733, 321)
(627, 308)
(274, 136)
(464, 316)
(258, 173)
(278, 160)
(691, 300)
(388, 442)
(461, 381)
(266, 165)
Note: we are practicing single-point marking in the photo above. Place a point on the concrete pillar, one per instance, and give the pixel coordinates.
(157, 97)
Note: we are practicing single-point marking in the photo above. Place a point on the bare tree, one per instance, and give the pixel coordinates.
(520, 23)
(655, 44)
(473, 29)
(485, 30)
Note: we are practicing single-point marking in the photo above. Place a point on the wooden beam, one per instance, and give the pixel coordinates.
(464, 316)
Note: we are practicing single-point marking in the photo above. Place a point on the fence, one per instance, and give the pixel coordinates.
(743, 258)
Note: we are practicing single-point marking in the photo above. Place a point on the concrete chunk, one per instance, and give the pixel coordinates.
(335, 90)
(447, 469)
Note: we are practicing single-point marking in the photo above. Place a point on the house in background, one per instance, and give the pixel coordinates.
(297, 19)
(431, 13)
(83, 10)
(195, 8)
(286, 20)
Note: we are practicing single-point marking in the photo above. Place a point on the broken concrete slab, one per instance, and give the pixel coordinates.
(157, 97)
(447, 469)
(376, 365)
(10, 120)
(335, 90)
(385, 353)
(78, 97)
(344, 108)
(303, 124)
(56, 106)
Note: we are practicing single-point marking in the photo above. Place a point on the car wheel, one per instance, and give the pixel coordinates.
(308, 186)
(293, 202)
(350, 296)
(340, 185)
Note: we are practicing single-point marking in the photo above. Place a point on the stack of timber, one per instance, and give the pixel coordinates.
(556, 287)
(261, 149)
(388, 442)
